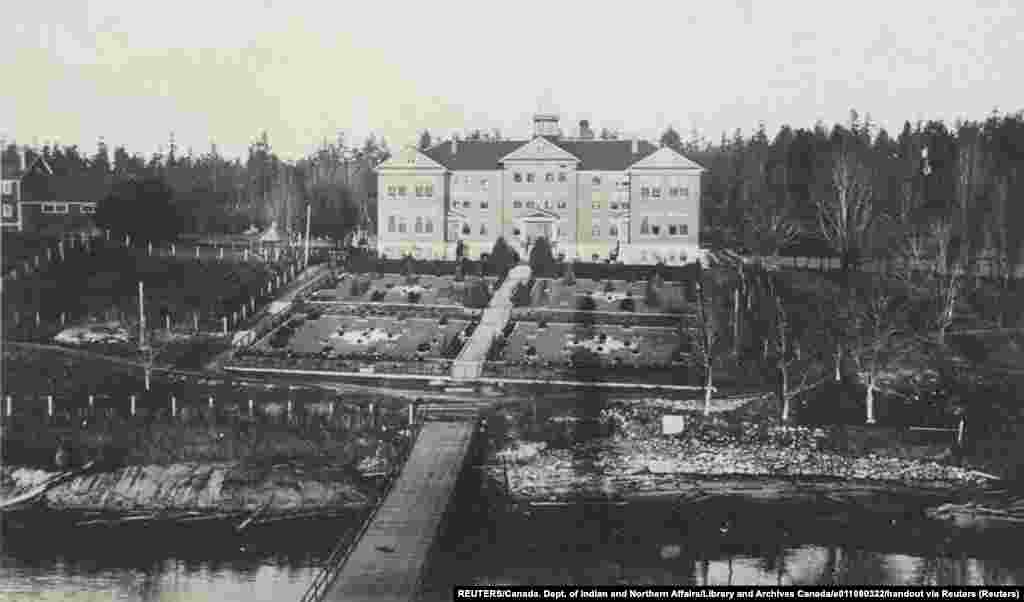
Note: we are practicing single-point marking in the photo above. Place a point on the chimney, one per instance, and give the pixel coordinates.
(585, 132)
(455, 144)
(635, 143)
(21, 159)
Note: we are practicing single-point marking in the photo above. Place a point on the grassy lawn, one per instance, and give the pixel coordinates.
(103, 285)
(389, 337)
(554, 293)
(615, 345)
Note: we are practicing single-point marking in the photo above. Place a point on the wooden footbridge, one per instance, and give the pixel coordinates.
(388, 557)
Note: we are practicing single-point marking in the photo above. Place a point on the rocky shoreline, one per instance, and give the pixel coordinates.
(214, 488)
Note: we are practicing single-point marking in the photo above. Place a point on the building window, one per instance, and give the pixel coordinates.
(672, 192)
(517, 204)
(484, 205)
(466, 204)
(531, 204)
(596, 180)
(483, 183)
(529, 177)
(419, 225)
(453, 231)
(55, 207)
(429, 226)
(656, 192)
(401, 226)
(8, 187)
(517, 177)
(625, 205)
(655, 229)
(596, 204)
(613, 231)
(595, 230)
(466, 229)
(684, 229)
(468, 180)
(613, 206)
(562, 204)
(392, 191)
(391, 223)
(424, 190)
(547, 203)
(549, 177)
(483, 229)
(684, 192)
(88, 208)
(672, 230)
(561, 176)
(645, 226)
(455, 204)
(645, 192)
(8, 210)
(402, 190)
(516, 232)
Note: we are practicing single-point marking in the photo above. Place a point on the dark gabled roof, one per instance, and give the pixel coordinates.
(606, 155)
(72, 188)
(596, 155)
(472, 154)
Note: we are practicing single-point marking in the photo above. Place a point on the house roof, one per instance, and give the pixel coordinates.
(12, 170)
(80, 187)
(594, 155)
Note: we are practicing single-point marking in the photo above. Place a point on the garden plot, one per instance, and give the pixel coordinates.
(556, 343)
(394, 288)
(346, 335)
(556, 294)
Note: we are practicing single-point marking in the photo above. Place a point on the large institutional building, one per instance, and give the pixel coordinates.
(593, 199)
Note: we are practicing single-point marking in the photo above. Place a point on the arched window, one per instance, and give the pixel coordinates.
(419, 225)
(391, 223)
(429, 227)
(645, 226)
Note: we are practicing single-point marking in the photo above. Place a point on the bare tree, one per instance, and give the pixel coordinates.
(708, 340)
(876, 325)
(847, 216)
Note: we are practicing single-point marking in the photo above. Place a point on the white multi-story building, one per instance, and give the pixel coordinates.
(593, 199)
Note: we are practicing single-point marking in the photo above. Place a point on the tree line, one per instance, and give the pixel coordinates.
(169, 192)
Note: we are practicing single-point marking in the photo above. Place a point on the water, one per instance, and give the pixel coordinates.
(651, 543)
(270, 563)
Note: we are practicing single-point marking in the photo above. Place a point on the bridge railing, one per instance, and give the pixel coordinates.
(325, 578)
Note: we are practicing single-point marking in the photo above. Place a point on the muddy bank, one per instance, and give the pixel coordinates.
(200, 487)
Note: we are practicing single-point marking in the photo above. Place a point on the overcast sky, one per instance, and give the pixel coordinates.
(222, 70)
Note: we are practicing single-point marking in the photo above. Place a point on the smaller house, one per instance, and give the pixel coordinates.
(53, 205)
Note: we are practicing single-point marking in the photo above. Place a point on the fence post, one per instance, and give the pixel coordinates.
(172, 250)
(246, 254)
(63, 318)
(167, 322)
(92, 401)
(49, 254)
(174, 407)
(10, 406)
(49, 406)
(132, 407)
(197, 252)
(289, 409)
(149, 248)
(222, 253)
(38, 319)
(37, 260)
(252, 303)
(224, 322)
(195, 321)
(211, 402)
(960, 432)
(60, 250)
(252, 411)
(412, 413)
